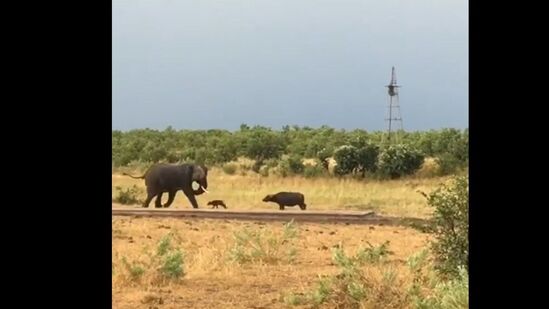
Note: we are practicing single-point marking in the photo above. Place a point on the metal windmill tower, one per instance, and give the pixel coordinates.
(394, 120)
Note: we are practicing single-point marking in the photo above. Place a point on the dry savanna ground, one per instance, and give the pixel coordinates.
(390, 197)
(215, 274)
(213, 277)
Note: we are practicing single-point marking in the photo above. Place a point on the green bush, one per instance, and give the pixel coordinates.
(451, 226)
(452, 294)
(346, 158)
(172, 265)
(230, 168)
(367, 158)
(314, 171)
(295, 164)
(448, 164)
(399, 160)
(292, 165)
(323, 157)
(261, 144)
(128, 196)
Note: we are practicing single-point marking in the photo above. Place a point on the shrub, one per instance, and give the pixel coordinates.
(367, 158)
(295, 164)
(291, 166)
(314, 171)
(451, 225)
(129, 196)
(453, 294)
(346, 158)
(448, 164)
(230, 168)
(323, 157)
(399, 160)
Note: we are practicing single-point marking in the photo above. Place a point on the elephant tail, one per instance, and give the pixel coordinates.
(134, 177)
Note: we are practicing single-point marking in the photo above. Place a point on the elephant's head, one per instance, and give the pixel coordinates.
(200, 176)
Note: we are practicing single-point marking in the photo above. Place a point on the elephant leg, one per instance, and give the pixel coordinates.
(148, 200)
(171, 197)
(158, 201)
(192, 199)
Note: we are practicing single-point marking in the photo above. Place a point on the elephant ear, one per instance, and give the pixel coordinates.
(189, 171)
(198, 172)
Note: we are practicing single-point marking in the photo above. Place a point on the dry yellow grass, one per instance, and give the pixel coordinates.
(212, 282)
(392, 197)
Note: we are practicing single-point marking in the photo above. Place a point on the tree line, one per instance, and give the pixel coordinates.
(356, 152)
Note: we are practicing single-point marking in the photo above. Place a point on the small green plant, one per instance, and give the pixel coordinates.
(351, 288)
(417, 261)
(348, 287)
(128, 196)
(230, 168)
(322, 291)
(164, 245)
(171, 259)
(374, 254)
(135, 271)
(294, 299)
(166, 264)
(172, 265)
(453, 294)
(252, 246)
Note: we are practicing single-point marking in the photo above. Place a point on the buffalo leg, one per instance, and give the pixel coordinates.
(281, 207)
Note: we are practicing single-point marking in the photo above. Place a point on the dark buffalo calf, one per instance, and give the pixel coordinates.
(287, 199)
(217, 203)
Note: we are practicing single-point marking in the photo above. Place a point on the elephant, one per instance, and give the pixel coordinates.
(217, 203)
(287, 199)
(171, 178)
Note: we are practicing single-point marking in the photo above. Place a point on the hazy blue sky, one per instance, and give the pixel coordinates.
(200, 64)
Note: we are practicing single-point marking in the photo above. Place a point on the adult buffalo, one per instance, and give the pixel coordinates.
(287, 199)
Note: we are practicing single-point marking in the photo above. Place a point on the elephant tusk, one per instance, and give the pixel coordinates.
(204, 189)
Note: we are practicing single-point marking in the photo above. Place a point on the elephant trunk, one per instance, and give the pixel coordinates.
(202, 188)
